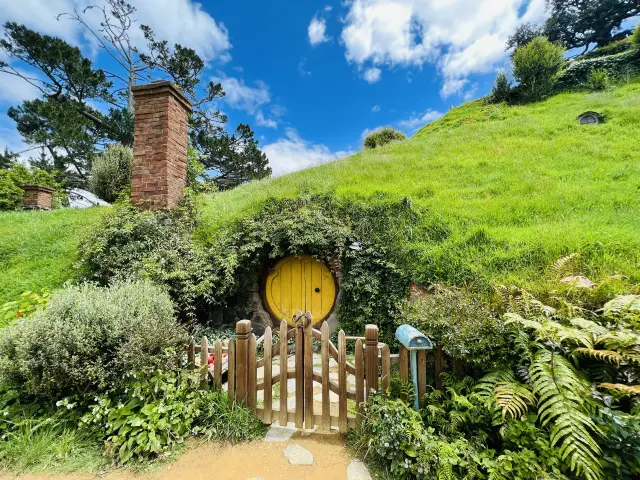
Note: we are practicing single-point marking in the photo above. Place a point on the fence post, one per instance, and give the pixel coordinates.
(371, 358)
(204, 364)
(243, 330)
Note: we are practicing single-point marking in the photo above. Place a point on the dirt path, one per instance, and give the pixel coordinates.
(260, 460)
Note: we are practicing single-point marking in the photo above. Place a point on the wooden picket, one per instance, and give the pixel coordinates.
(236, 364)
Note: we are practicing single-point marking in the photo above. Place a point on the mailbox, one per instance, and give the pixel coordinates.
(413, 340)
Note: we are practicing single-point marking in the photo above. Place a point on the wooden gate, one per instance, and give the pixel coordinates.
(258, 373)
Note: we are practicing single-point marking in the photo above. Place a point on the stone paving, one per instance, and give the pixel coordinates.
(300, 456)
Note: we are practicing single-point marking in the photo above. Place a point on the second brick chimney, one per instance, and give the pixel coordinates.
(159, 170)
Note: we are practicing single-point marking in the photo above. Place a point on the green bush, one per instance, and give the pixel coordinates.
(131, 244)
(635, 38)
(501, 91)
(156, 413)
(621, 66)
(536, 66)
(610, 49)
(111, 172)
(12, 179)
(461, 323)
(383, 136)
(599, 80)
(90, 339)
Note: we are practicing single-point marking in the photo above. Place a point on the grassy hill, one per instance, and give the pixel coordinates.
(516, 188)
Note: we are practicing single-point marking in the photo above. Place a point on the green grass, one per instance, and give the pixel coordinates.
(51, 448)
(517, 187)
(37, 249)
(514, 188)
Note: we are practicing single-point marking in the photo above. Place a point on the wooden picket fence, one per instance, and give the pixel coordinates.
(430, 367)
(370, 370)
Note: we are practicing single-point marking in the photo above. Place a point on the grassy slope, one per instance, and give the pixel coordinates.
(518, 186)
(38, 248)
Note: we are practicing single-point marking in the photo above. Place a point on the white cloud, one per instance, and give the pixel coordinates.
(328, 8)
(452, 86)
(376, 108)
(302, 68)
(418, 120)
(251, 99)
(461, 37)
(177, 21)
(317, 31)
(265, 122)
(293, 153)
(372, 75)
(241, 96)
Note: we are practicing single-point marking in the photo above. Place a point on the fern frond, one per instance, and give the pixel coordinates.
(501, 390)
(627, 390)
(514, 399)
(565, 265)
(563, 405)
(590, 327)
(622, 307)
(511, 317)
(608, 356)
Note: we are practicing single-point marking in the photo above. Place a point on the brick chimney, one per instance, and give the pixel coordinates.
(37, 197)
(159, 170)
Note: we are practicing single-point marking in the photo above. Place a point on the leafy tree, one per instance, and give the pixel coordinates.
(70, 81)
(523, 35)
(501, 91)
(7, 159)
(536, 66)
(579, 23)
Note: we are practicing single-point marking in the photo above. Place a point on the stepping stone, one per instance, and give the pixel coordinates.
(279, 434)
(298, 455)
(357, 470)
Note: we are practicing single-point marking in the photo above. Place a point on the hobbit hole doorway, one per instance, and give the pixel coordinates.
(300, 284)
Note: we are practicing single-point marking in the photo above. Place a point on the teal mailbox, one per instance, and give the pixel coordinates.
(413, 340)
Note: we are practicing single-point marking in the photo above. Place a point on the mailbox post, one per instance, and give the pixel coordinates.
(413, 340)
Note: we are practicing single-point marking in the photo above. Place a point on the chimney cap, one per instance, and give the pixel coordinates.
(161, 86)
(38, 187)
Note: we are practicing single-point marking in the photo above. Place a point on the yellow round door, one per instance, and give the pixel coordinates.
(300, 283)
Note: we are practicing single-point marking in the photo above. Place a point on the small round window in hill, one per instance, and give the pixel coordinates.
(590, 118)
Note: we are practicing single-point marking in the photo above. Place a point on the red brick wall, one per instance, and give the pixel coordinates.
(159, 171)
(37, 198)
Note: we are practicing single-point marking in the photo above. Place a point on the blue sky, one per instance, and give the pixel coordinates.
(312, 77)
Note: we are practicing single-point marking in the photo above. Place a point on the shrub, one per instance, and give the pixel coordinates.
(460, 322)
(635, 38)
(610, 49)
(382, 136)
(89, 339)
(111, 172)
(599, 80)
(536, 66)
(619, 66)
(131, 244)
(501, 91)
(12, 180)
(158, 412)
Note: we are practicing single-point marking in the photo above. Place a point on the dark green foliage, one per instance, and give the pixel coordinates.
(158, 412)
(111, 172)
(460, 322)
(383, 136)
(621, 66)
(522, 35)
(158, 246)
(501, 91)
(578, 23)
(13, 178)
(89, 339)
(611, 49)
(620, 443)
(7, 159)
(536, 66)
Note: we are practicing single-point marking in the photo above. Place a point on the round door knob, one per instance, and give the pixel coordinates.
(317, 290)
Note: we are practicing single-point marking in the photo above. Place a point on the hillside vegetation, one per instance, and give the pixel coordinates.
(502, 192)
